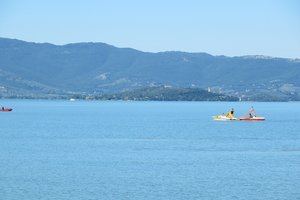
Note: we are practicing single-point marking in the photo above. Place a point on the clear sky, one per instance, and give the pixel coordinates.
(218, 27)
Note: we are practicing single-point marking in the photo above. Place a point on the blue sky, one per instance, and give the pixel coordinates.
(218, 27)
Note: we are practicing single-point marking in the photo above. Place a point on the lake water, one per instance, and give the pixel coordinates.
(92, 150)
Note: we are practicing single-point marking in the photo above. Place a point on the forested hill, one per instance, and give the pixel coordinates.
(163, 93)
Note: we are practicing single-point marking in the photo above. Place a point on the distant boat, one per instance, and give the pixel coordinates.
(5, 109)
(72, 99)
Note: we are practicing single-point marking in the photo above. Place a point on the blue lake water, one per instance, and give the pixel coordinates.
(148, 151)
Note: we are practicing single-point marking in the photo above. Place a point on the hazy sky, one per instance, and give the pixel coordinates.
(218, 27)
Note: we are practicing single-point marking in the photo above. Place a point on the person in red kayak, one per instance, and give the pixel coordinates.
(252, 112)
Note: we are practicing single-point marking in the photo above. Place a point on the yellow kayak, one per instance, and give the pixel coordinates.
(224, 118)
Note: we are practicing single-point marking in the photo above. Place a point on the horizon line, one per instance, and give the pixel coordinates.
(257, 56)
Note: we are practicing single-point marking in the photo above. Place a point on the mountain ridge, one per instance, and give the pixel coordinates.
(258, 56)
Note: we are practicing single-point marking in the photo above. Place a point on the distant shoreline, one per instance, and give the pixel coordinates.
(122, 100)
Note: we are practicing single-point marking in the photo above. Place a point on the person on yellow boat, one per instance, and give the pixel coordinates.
(230, 113)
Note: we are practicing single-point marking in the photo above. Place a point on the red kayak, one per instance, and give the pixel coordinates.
(253, 118)
(6, 109)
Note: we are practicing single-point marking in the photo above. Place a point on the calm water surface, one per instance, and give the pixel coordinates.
(148, 151)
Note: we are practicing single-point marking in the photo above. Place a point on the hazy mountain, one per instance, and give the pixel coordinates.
(95, 68)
